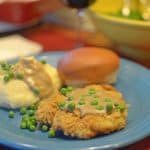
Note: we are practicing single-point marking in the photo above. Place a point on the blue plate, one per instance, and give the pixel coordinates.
(133, 82)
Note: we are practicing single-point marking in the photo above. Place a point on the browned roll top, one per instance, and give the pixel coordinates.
(88, 65)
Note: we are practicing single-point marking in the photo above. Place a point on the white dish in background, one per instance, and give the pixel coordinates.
(15, 46)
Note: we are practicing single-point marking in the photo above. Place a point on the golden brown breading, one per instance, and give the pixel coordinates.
(86, 126)
(90, 125)
(48, 107)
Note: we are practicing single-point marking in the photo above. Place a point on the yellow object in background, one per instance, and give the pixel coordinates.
(145, 9)
(106, 6)
(134, 4)
(131, 34)
(113, 6)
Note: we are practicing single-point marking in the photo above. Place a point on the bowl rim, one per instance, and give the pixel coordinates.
(124, 21)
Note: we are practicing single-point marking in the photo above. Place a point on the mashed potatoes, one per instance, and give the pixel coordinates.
(16, 93)
(53, 73)
(30, 82)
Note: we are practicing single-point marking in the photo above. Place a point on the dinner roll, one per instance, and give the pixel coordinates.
(88, 65)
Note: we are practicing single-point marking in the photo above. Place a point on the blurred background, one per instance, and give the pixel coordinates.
(34, 26)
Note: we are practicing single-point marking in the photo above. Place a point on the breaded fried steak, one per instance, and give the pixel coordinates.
(85, 112)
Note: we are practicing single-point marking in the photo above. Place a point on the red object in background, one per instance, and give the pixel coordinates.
(19, 13)
(25, 12)
(56, 38)
(53, 38)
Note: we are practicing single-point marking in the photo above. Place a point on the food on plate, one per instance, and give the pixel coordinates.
(48, 107)
(53, 73)
(88, 65)
(75, 98)
(84, 112)
(16, 93)
(26, 82)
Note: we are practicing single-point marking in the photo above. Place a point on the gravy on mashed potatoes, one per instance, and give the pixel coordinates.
(31, 81)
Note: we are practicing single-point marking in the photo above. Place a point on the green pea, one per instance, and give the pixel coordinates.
(91, 89)
(43, 61)
(95, 96)
(20, 76)
(32, 127)
(25, 118)
(81, 102)
(99, 107)
(108, 100)
(36, 91)
(11, 114)
(94, 102)
(33, 118)
(69, 88)
(83, 96)
(28, 124)
(33, 122)
(91, 92)
(3, 65)
(10, 74)
(44, 128)
(63, 91)
(6, 78)
(70, 98)
(109, 107)
(31, 112)
(51, 133)
(71, 106)
(122, 108)
(61, 104)
(23, 111)
(23, 125)
(116, 104)
(33, 107)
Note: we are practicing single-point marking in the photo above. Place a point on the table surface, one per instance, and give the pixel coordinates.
(56, 38)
